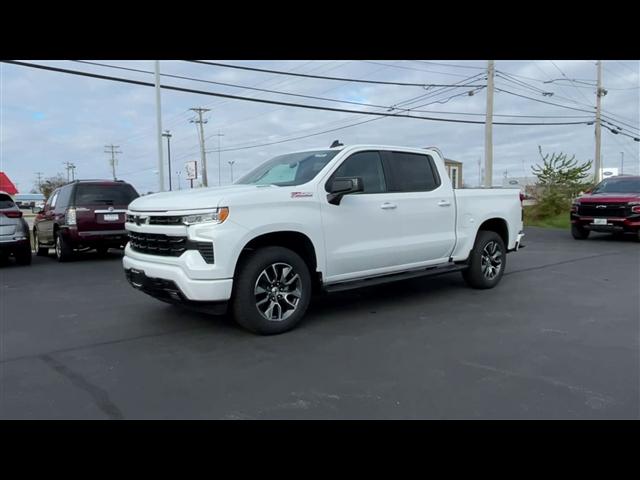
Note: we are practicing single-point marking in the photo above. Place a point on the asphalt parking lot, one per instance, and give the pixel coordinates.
(557, 339)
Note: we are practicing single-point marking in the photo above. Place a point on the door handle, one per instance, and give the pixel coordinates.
(444, 203)
(388, 206)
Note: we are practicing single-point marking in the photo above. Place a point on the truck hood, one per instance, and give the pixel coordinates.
(610, 197)
(194, 199)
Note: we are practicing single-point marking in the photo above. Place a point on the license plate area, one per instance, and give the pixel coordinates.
(599, 221)
(111, 217)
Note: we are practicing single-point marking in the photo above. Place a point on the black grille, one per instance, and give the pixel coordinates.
(168, 246)
(603, 210)
(158, 244)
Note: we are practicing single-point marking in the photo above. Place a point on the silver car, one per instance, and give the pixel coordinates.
(14, 232)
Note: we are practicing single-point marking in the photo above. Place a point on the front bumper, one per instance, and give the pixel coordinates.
(614, 224)
(191, 289)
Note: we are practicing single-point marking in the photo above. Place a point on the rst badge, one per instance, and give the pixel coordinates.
(301, 194)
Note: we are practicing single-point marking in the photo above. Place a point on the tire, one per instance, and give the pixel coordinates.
(23, 256)
(64, 251)
(253, 304)
(40, 251)
(579, 233)
(487, 261)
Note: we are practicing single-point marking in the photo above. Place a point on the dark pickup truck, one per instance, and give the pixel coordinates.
(613, 206)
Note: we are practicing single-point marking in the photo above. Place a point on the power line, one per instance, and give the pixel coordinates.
(273, 102)
(449, 65)
(321, 77)
(278, 92)
(544, 101)
(410, 68)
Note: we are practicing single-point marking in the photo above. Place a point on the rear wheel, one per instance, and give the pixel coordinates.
(579, 233)
(487, 261)
(272, 291)
(64, 251)
(23, 255)
(40, 250)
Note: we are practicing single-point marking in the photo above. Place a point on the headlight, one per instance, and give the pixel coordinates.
(70, 216)
(635, 207)
(218, 215)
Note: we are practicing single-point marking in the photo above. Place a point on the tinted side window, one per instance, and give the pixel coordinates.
(64, 197)
(54, 199)
(366, 165)
(412, 172)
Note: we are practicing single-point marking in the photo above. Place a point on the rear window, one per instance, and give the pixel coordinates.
(6, 202)
(96, 194)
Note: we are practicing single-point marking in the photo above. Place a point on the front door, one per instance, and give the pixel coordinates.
(360, 233)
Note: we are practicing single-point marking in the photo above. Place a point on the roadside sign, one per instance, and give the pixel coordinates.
(192, 169)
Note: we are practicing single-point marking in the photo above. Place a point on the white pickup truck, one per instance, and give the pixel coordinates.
(328, 219)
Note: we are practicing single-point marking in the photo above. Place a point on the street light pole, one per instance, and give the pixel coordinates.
(167, 134)
(488, 127)
(622, 163)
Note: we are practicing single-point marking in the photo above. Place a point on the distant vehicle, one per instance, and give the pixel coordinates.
(83, 214)
(326, 219)
(14, 231)
(29, 200)
(613, 206)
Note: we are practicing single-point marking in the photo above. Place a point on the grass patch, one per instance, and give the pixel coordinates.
(533, 219)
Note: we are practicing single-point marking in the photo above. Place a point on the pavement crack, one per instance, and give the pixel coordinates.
(99, 395)
(540, 267)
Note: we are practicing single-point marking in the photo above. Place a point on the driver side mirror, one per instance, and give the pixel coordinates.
(343, 186)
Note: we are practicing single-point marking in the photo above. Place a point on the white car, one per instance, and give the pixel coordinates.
(328, 219)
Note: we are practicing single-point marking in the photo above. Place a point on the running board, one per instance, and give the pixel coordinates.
(392, 277)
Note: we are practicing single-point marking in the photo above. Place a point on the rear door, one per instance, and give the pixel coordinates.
(426, 205)
(102, 206)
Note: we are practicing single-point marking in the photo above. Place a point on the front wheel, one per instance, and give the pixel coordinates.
(272, 291)
(487, 261)
(579, 233)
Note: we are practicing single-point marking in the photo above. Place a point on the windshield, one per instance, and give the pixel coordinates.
(618, 185)
(290, 169)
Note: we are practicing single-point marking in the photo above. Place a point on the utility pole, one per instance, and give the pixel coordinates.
(69, 168)
(159, 127)
(621, 163)
(219, 162)
(488, 127)
(167, 134)
(203, 155)
(39, 175)
(73, 172)
(601, 92)
(231, 162)
(113, 161)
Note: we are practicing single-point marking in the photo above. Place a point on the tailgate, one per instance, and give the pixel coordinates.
(99, 218)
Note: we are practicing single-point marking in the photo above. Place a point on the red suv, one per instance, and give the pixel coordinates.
(83, 214)
(612, 206)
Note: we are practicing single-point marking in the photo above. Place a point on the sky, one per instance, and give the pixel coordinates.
(49, 118)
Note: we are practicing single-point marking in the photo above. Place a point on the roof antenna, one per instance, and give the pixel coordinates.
(336, 143)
